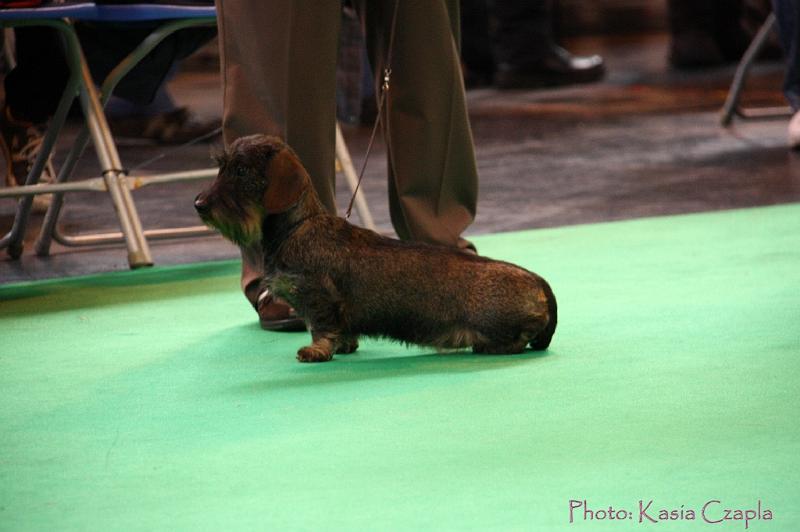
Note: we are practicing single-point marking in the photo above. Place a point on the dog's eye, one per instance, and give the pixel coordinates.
(240, 171)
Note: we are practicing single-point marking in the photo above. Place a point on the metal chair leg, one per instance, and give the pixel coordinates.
(138, 248)
(42, 246)
(114, 179)
(731, 105)
(13, 240)
(49, 229)
(114, 176)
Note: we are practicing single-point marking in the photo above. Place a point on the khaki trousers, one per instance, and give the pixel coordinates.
(279, 77)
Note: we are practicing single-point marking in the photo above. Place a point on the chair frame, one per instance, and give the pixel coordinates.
(731, 106)
(114, 179)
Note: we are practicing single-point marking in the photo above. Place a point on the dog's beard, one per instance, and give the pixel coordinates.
(243, 232)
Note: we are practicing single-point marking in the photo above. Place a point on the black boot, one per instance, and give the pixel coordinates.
(526, 51)
(558, 67)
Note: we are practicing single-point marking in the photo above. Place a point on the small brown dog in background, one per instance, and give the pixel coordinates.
(345, 281)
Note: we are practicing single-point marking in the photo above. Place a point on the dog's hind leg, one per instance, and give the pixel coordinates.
(509, 336)
(541, 340)
(348, 343)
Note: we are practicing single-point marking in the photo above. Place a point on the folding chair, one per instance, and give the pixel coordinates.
(115, 180)
(731, 106)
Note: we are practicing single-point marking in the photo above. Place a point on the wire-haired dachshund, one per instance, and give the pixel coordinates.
(345, 281)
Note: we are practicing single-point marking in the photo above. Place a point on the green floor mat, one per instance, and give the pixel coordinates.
(151, 400)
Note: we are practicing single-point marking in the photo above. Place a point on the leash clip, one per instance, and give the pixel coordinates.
(387, 73)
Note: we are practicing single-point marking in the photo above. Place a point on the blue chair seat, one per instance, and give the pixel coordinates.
(143, 12)
(77, 10)
(171, 17)
(110, 12)
(175, 15)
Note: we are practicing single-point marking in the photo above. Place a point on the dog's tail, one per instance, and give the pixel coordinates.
(542, 339)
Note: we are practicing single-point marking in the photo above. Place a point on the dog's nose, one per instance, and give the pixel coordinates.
(201, 204)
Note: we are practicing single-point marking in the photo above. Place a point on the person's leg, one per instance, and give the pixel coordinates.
(524, 30)
(33, 89)
(692, 40)
(34, 86)
(279, 77)
(433, 180)
(729, 30)
(788, 14)
(476, 45)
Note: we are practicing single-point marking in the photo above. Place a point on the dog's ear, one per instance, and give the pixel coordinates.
(286, 182)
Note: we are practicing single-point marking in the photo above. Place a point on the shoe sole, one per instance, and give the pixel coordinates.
(285, 325)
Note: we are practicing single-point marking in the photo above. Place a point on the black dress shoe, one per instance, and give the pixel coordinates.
(557, 67)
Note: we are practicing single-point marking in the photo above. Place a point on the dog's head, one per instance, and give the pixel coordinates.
(258, 176)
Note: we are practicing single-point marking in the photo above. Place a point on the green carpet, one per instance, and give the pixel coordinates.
(151, 400)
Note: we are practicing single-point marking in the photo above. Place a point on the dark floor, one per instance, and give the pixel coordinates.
(644, 142)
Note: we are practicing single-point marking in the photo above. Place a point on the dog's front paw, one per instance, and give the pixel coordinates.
(313, 353)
